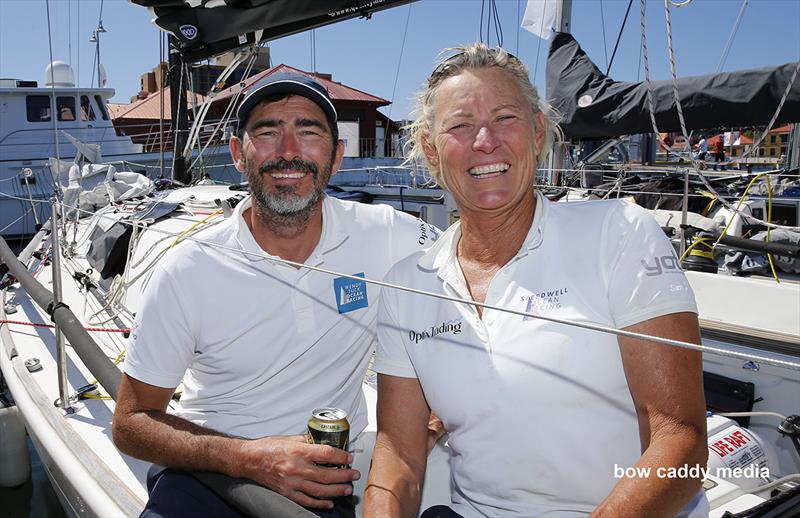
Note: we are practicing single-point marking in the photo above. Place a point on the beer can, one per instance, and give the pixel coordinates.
(329, 426)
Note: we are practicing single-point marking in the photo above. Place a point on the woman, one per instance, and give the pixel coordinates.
(543, 418)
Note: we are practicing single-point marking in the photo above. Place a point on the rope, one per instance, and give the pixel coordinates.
(619, 36)
(15, 221)
(40, 324)
(399, 62)
(603, 26)
(728, 44)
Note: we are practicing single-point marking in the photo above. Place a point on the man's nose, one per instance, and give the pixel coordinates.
(485, 140)
(288, 146)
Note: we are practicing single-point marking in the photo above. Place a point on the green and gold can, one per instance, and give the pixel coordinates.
(329, 426)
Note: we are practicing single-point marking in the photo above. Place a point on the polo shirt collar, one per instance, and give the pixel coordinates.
(442, 254)
(333, 233)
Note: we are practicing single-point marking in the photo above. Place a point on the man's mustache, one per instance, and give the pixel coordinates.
(295, 164)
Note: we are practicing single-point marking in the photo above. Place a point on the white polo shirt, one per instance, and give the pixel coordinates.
(538, 413)
(262, 344)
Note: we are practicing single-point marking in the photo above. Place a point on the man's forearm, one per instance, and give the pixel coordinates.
(658, 494)
(169, 440)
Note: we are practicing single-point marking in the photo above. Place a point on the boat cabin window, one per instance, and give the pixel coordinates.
(87, 112)
(66, 108)
(38, 108)
(101, 105)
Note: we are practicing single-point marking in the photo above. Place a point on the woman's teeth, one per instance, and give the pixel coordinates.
(488, 169)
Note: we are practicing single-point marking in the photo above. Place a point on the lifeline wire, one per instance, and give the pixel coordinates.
(592, 327)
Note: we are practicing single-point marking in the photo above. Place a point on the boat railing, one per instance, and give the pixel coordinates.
(19, 138)
(380, 147)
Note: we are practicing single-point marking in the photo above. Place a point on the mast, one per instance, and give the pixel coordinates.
(180, 117)
(563, 24)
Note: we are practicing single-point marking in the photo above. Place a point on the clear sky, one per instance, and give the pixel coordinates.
(366, 53)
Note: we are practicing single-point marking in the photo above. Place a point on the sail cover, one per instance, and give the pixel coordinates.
(208, 27)
(593, 105)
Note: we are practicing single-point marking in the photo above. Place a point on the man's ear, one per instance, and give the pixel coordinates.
(430, 150)
(235, 145)
(337, 157)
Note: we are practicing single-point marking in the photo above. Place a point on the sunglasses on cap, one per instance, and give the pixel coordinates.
(445, 68)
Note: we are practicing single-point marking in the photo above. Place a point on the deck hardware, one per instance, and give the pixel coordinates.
(751, 366)
(61, 352)
(33, 364)
(10, 309)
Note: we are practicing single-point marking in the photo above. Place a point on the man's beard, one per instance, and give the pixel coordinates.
(283, 210)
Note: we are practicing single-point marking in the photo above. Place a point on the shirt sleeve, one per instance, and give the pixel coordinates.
(161, 346)
(410, 235)
(643, 274)
(391, 356)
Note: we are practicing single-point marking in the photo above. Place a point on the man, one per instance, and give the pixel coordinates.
(719, 152)
(702, 148)
(262, 343)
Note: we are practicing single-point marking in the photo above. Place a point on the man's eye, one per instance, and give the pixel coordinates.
(506, 117)
(459, 126)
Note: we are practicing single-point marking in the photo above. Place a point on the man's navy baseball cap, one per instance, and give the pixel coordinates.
(286, 83)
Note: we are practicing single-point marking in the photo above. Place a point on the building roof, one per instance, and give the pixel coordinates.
(786, 128)
(337, 91)
(150, 107)
(116, 108)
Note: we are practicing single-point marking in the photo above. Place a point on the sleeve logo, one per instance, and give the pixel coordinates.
(351, 294)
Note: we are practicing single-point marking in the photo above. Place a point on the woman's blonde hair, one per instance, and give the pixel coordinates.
(471, 57)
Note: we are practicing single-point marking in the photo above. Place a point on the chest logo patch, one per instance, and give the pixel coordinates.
(544, 302)
(351, 294)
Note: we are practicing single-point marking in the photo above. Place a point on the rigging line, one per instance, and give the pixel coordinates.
(603, 25)
(488, 23)
(591, 327)
(69, 31)
(539, 44)
(15, 221)
(480, 25)
(729, 43)
(54, 106)
(399, 62)
(498, 26)
(619, 36)
(519, 26)
(313, 50)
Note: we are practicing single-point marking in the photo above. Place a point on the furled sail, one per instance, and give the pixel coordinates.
(208, 27)
(593, 105)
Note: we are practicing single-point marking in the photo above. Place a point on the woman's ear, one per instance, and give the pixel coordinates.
(430, 150)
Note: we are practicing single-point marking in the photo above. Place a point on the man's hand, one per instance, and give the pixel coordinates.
(290, 466)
